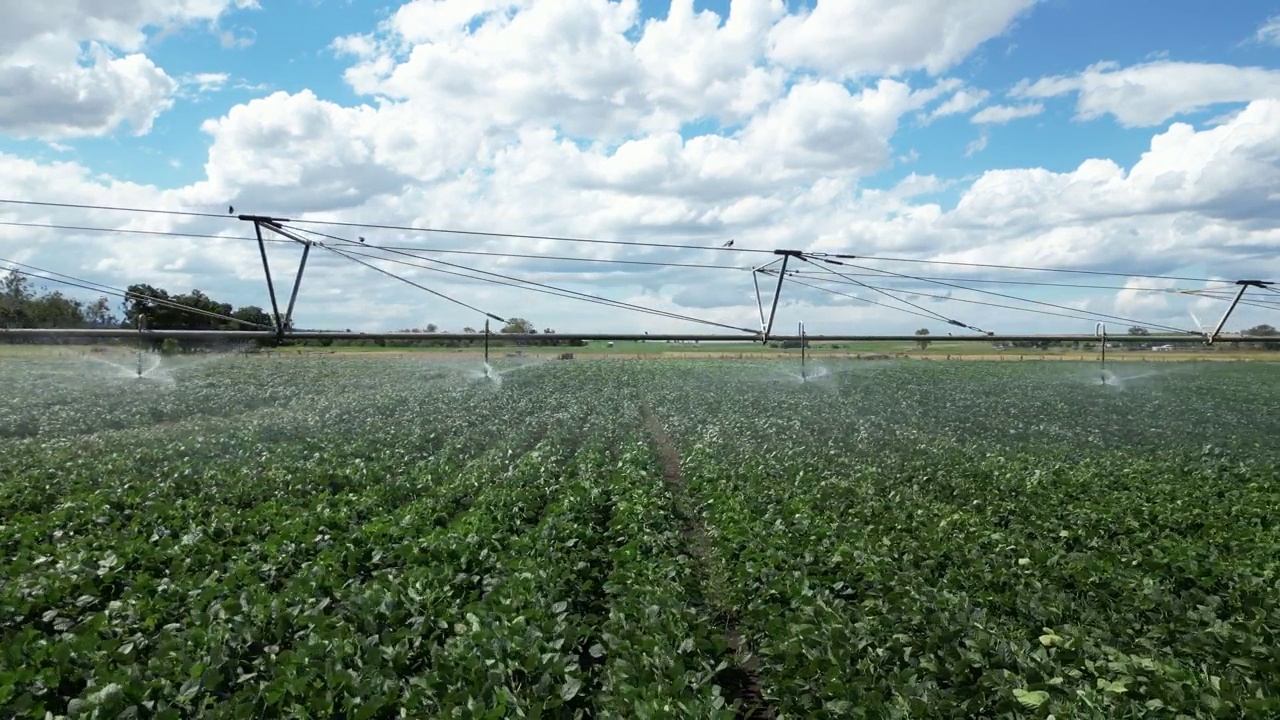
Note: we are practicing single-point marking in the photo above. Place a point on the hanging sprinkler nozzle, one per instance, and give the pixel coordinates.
(804, 376)
(1100, 331)
(486, 349)
(142, 328)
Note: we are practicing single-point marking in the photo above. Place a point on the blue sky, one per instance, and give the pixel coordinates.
(287, 46)
(291, 51)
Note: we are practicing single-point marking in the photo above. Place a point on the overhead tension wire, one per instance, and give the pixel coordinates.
(1010, 297)
(604, 302)
(852, 297)
(97, 287)
(727, 247)
(572, 294)
(968, 301)
(283, 230)
(446, 251)
(414, 284)
(939, 316)
(1024, 268)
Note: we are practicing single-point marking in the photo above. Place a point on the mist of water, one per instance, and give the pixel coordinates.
(811, 373)
(122, 366)
(491, 373)
(1115, 378)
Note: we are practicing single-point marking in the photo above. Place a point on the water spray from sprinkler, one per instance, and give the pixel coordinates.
(486, 349)
(142, 328)
(1100, 330)
(804, 376)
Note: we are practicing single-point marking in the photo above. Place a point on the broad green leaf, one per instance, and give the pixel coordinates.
(1030, 698)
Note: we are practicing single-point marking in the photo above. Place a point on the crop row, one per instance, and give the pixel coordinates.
(469, 553)
(914, 577)
(381, 538)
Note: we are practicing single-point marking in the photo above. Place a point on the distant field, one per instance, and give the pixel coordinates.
(401, 536)
(937, 350)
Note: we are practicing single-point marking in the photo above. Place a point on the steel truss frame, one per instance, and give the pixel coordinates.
(283, 323)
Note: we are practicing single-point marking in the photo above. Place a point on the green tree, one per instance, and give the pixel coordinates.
(518, 326)
(922, 332)
(1264, 331)
(17, 287)
(1135, 330)
(202, 321)
(140, 301)
(55, 310)
(98, 313)
(16, 292)
(252, 314)
(22, 305)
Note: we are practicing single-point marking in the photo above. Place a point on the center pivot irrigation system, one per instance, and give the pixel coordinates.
(798, 267)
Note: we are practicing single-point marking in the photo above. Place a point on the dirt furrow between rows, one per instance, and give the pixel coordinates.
(740, 681)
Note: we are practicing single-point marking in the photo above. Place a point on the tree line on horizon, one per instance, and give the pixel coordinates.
(26, 305)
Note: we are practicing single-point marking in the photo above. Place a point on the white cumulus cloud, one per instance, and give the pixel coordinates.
(961, 102)
(1152, 93)
(888, 37)
(1001, 114)
(575, 117)
(1269, 31)
(77, 68)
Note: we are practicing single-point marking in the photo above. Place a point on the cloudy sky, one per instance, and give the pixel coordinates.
(1138, 138)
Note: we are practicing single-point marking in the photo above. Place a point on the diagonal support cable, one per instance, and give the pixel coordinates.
(595, 299)
(1013, 297)
(792, 279)
(567, 294)
(937, 315)
(92, 286)
(414, 284)
(1244, 286)
(967, 301)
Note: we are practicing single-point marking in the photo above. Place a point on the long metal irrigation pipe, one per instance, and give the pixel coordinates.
(89, 333)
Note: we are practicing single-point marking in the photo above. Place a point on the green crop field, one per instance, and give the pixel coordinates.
(381, 537)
